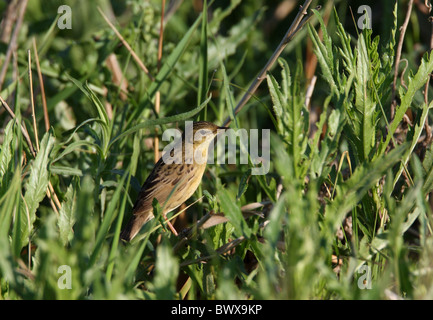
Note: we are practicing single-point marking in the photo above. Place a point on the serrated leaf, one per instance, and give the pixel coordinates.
(36, 187)
(363, 101)
(65, 171)
(243, 184)
(324, 53)
(413, 138)
(277, 101)
(415, 83)
(66, 213)
(351, 192)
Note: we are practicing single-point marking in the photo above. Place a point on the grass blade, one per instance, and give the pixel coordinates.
(203, 65)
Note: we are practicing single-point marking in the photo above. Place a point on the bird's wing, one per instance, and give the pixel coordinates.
(159, 185)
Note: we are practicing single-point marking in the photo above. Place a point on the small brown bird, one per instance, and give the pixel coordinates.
(182, 171)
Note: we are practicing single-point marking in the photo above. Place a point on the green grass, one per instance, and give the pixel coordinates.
(349, 183)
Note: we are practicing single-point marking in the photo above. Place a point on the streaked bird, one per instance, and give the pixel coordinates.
(182, 171)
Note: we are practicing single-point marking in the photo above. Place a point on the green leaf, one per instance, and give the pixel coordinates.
(36, 187)
(109, 216)
(268, 188)
(351, 192)
(153, 122)
(277, 101)
(330, 144)
(415, 83)
(6, 150)
(103, 117)
(243, 184)
(273, 229)
(413, 137)
(324, 53)
(219, 14)
(387, 60)
(228, 94)
(166, 69)
(114, 246)
(292, 116)
(166, 272)
(76, 145)
(428, 168)
(240, 32)
(233, 213)
(8, 204)
(363, 101)
(92, 97)
(65, 171)
(66, 213)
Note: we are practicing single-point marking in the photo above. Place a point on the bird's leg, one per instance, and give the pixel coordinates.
(170, 225)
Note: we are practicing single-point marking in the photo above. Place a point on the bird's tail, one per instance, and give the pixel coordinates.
(134, 225)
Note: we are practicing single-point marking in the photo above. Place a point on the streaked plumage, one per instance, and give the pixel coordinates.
(164, 177)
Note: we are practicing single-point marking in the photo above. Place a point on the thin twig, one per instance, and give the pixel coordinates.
(158, 93)
(54, 200)
(133, 54)
(25, 270)
(398, 56)
(23, 128)
(189, 232)
(403, 72)
(13, 42)
(117, 77)
(428, 5)
(173, 230)
(32, 102)
(310, 90)
(41, 83)
(7, 21)
(172, 8)
(161, 35)
(300, 20)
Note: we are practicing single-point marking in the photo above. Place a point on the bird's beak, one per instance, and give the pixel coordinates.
(224, 128)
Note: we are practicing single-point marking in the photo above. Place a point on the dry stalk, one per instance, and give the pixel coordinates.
(300, 20)
(41, 83)
(128, 47)
(398, 57)
(13, 42)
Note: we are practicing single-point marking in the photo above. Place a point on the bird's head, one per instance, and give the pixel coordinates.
(197, 138)
(204, 132)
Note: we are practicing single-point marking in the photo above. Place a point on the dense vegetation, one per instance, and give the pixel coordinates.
(343, 213)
